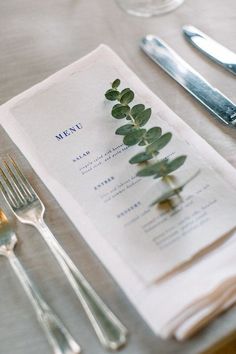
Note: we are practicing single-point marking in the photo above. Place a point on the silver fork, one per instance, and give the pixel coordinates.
(29, 209)
(58, 336)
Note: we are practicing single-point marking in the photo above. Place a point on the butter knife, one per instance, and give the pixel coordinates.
(190, 79)
(211, 48)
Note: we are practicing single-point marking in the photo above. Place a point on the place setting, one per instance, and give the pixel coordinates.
(153, 200)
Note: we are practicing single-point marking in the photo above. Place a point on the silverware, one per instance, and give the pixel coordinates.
(191, 80)
(211, 48)
(58, 336)
(29, 209)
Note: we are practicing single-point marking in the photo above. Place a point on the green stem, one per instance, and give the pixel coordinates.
(132, 120)
(170, 183)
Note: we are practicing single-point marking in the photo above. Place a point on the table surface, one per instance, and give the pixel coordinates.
(37, 39)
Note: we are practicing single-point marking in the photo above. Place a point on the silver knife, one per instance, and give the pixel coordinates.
(211, 48)
(190, 79)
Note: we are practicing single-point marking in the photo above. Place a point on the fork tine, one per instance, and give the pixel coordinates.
(15, 184)
(11, 190)
(9, 197)
(24, 183)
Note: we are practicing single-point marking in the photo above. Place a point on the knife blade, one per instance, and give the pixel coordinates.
(211, 48)
(190, 79)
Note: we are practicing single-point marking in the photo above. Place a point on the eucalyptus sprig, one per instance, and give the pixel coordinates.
(151, 140)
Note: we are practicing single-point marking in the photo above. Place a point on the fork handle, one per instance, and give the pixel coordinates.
(110, 331)
(57, 335)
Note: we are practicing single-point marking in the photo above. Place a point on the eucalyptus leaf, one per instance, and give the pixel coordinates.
(141, 157)
(162, 173)
(176, 163)
(159, 143)
(153, 134)
(170, 193)
(165, 197)
(127, 97)
(134, 137)
(143, 117)
(150, 136)
(136, 109)
(174, 191)
(124, 91)
(152, 170)
(119, 111)
(125, 129)
(115, 84)
(164, 170)
(112, 95)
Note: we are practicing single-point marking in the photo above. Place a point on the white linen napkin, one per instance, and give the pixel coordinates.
(183, 302)
(199, 293)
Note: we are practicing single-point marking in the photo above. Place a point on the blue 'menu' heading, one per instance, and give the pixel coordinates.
(70, 131)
